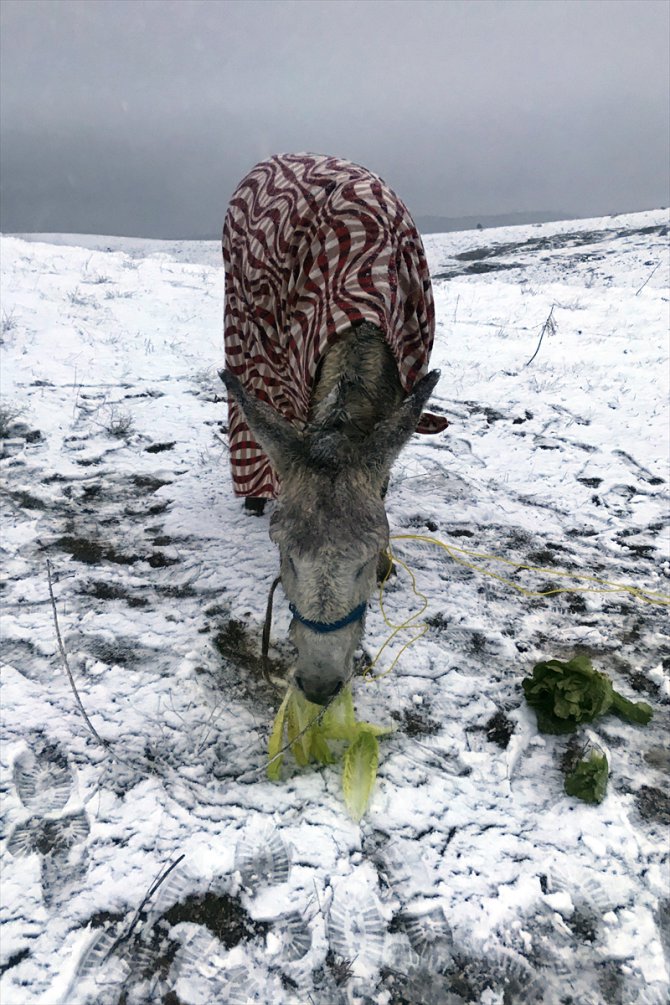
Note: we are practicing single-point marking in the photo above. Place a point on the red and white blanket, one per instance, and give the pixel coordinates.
(312, 245)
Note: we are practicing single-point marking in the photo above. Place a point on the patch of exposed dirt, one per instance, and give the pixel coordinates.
(653, 804)
(499, 729)
(93, 552)
(26, 500)
(159, 448)
(224, 916)
(417, 721)
(478, 268)
(108, 591)
(14, 960)
(148, 483)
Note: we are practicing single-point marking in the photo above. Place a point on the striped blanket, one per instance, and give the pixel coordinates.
(312, 245)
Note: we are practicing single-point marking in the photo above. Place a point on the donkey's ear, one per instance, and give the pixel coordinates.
(277, 437)
(389, 436)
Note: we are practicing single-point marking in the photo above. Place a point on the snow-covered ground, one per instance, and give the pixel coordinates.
(473, 877)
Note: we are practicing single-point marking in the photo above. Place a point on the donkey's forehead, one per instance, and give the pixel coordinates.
(330, 515)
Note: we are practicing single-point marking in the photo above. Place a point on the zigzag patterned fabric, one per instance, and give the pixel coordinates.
(312, 245)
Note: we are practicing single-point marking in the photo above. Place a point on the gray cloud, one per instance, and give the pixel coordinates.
(140, 117)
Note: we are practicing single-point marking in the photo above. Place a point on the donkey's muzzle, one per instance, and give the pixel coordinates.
(317, 693)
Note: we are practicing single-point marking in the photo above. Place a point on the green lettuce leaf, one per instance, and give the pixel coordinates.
(319, 748)
(566, 694)
(359, 773)
(588, 779)
(299, 714)
(276, 740)
(369, 727)
(339, 719)
(309, 728)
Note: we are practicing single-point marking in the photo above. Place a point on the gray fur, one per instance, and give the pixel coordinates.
(330, 524)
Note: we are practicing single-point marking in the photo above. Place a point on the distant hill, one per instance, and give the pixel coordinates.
(444, 224)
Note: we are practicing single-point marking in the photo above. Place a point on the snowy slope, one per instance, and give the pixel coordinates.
(473, 877)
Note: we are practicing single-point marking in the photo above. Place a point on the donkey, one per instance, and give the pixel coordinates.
(329, 323)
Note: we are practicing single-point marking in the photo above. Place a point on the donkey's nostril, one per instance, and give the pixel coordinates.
(299, 684)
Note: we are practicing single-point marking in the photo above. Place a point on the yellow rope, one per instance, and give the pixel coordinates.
(397, 628)
(648, 596)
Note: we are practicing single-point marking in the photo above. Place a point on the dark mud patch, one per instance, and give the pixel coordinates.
(659, 758)
(55, 478)
(583, 925)
(653, 805)
(25, 500)
(105, 919)
(94, 491)
(93, 552)
(14, 960)
(116, 652)
(16, 648)
(490, 414)
(640, 550)
(576, 603)
(109, 591)
(420, 522)
(634, 630)
(553, 242)
(159, 448)
(499, 729)
(478, 269)
(158, 508)
(151, 393)
(176, 590)
(641, 684)
(224, 916)
(574, 751)
(479, 643)
(215, 610)
(417, 721)
(148, 483)
(610, 981)
(159, 560)
(241, 650)
(233, 643)
(542, 557)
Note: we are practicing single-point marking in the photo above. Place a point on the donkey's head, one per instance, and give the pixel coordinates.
(330, 527)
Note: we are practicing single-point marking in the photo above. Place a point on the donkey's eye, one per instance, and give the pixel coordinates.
(291, 565)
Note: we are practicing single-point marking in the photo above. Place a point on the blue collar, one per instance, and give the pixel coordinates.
(323, 627)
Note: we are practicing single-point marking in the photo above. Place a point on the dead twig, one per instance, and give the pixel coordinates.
(66, 667)
(648, 278)
(105, 744)
(549, 327)
(145, 900)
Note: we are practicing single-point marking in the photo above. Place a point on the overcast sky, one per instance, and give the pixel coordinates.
(138, 117)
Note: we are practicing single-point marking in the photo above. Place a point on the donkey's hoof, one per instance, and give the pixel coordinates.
(255, 506)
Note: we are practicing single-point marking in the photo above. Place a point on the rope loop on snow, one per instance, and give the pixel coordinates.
(647, 596)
